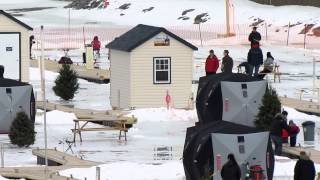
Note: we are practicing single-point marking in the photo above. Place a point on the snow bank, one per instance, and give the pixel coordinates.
(299, 116)
(57, 118)
(133, 171)
(2, 178)
(35, 75)
(162, 114)
(284, 170)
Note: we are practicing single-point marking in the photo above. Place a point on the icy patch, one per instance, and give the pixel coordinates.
(57, 118)
(133, 171)
(163, 114)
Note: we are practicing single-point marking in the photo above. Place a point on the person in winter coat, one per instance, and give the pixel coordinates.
(31, 42)
(285, 136)
(294, 131)
(96, 45)
(268, 66)
(227, 63)
(212, 63)
(231, 169)
(278, 123)
(254, 38)
(255, 59)
(304, 169)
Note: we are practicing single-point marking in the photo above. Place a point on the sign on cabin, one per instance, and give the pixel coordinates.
(8, 49)
(162, 40)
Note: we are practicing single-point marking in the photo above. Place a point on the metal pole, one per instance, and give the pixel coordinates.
(227, 17)
(69, 22)
(42, 69)
(305, 36)
(266, 24)
(200, 34)
(314, 76)
(288, 34)
(98, 173)
(2, 156)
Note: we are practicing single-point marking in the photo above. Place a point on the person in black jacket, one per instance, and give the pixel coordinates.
(231, 169)
(304, 169)
(279, 122)
(254, 38)
(227, 62)
(255, 59)
(31, 42)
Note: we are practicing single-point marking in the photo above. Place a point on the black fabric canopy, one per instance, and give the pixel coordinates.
(209, 96)
(198, 146)
(13, 83)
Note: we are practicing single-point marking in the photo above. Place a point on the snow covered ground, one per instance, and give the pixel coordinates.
(157, 127)
(162, 14)
(295, 64)
(90, 95)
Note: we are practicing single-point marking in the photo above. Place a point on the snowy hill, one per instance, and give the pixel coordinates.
(154, 12)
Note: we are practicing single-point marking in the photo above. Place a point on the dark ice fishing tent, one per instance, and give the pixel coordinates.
(208, 144)
(229, 97)
(15, 97)
(227, 105)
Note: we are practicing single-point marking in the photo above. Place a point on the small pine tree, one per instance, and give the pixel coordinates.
(66, 83)
(271, 105)
(22, 131)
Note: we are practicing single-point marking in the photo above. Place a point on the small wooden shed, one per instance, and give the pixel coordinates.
(146, 64)
(14, 47)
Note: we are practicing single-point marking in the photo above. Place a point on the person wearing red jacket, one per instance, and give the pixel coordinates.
(212, 63)
(96, 45)
(294, 131)
(285, 136)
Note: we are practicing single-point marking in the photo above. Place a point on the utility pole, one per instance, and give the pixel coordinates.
(228, 17)
(43, 89)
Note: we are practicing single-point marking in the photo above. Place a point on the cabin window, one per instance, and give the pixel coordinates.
(162, 70)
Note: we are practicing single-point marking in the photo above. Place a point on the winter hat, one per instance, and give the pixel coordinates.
(304, 156)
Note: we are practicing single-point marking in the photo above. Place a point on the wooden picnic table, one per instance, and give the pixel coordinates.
(109, 123)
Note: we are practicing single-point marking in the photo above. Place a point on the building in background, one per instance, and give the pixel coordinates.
(147, 65)
(14, 47)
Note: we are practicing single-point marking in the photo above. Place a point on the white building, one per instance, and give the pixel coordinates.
(146, 63)
(14, 47)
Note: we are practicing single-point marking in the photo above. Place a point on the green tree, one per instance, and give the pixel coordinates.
(66, 83)
(22, 130)
(270, 106)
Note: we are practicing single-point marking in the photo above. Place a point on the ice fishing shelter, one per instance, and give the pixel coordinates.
(14, 47)
(146, 64)
(229, 97)
(15, 97)
(207, 146)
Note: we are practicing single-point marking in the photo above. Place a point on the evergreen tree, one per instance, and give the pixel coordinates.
(66, 83)
(271, 105)
(22, 131)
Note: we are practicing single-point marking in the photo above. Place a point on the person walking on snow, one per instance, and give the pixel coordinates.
(231, 169)
(96, 45)
(227, 63)
(278, 123)
(255, 59)
(304, 169)
(212, 63)
(254, 38)
(294, 131)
